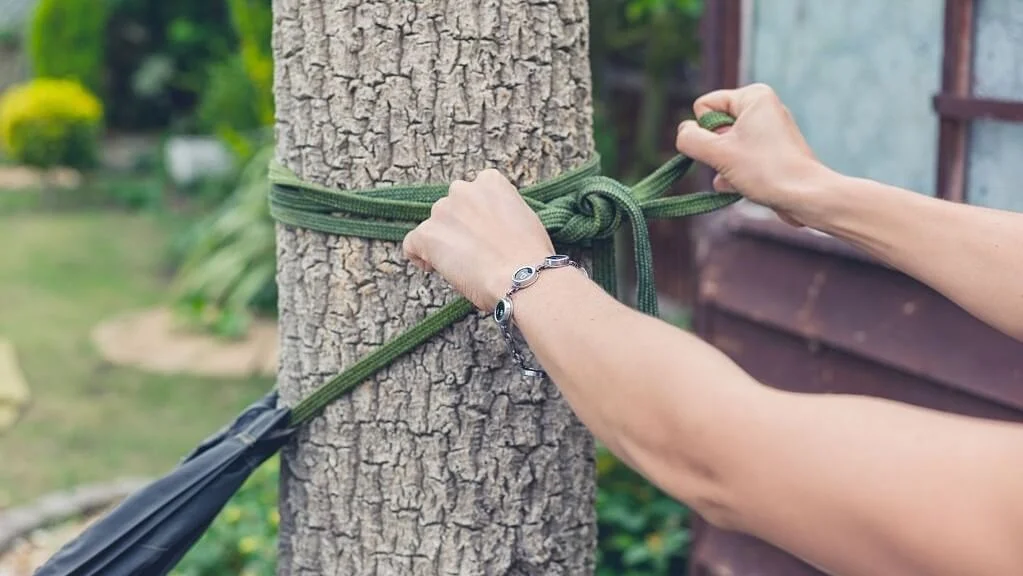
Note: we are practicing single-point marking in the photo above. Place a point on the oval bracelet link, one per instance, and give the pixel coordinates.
(523, 278)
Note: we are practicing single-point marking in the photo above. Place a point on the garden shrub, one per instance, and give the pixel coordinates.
(50, 122)
(66, 40)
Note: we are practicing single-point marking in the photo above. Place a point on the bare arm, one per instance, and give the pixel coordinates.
(856, 486)
(972, 255)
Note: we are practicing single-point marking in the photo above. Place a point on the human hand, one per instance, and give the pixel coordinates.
(477, 236)
(762, 155)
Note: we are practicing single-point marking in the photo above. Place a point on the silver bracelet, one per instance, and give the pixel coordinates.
(523, 278)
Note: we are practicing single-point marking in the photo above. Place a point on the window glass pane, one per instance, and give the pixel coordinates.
(994, 165)
(998, 49)
(859, 78)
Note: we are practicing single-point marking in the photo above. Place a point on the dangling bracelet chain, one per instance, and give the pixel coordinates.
(523, 278)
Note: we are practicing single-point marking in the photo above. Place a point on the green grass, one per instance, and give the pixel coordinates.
(61, 274)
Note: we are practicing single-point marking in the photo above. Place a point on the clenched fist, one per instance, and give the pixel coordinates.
(477, 236)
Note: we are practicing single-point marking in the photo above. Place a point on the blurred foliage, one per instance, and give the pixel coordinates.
(239, 91)
(134, 192)
(642, 531)
(66, 40)
(229, 261)
(49, 122)
(658, 39)
(10, 38)
(243, 538)
(229, 264)
(157, 55)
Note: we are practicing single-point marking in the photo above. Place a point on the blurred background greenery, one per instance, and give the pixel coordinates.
(119, 91)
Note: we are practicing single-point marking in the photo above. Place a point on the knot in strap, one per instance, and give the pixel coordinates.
(593, 211)
(578, 207)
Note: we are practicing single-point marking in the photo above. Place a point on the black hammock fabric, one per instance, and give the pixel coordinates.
(149, 532)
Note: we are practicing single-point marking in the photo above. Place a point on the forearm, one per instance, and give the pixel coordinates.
(854, 485)
(662, 400)
(972, 255)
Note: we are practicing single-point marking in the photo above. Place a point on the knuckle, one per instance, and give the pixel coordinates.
(429, 232)
(440, 208)
(413, 241)
(459, 188)
(760, 88)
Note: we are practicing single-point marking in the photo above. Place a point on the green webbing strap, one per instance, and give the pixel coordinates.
(578, 208)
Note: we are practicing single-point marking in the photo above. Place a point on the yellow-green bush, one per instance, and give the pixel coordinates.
(66, 40)
(50, 122)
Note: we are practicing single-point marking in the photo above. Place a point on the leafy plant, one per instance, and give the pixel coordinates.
(66, 40)
(230, 260)
(157, 55)
(230, 104)
(243, 538)
(658, 39)
(48, 122)
(642, 531)
(253, 22)
(239, 92)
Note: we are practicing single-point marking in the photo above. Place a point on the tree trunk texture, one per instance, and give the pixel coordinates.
(448, 462)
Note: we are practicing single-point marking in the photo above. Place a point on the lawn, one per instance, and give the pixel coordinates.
(60, 274)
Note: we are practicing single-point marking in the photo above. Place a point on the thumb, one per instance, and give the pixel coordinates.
(699, 144)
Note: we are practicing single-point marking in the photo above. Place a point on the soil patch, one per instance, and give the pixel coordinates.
(23, 177)
(154, 341)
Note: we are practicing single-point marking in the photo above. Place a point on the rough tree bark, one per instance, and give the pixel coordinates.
(448, 462)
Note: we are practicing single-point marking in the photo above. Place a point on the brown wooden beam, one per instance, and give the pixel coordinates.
(720, 54)
(721, 38)
(955, 83)
(970, 108)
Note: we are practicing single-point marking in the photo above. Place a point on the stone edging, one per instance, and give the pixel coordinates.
(16, 523)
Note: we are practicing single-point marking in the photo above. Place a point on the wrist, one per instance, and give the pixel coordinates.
(817, 196)
(500, 276)
(522, 280)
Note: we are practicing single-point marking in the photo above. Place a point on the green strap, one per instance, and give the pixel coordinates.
(578, 208)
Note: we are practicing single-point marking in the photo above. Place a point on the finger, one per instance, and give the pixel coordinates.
(421, 264)
(731, 101)
(722, 185)
(494, 182)
(695, 142)
(717, 101)
(491, 176)
(442, 207)
(459, 188)
(413, 247)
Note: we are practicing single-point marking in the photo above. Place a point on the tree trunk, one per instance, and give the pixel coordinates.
(448, 462)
